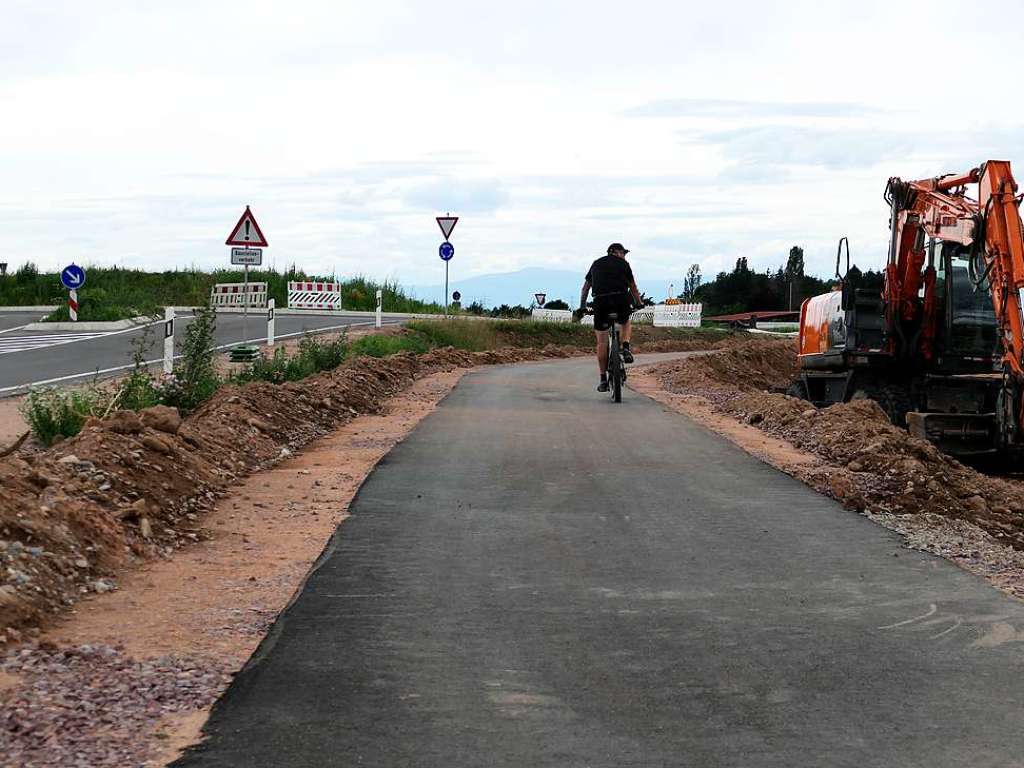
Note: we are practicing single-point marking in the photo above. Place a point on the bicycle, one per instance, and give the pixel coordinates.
(616, 368)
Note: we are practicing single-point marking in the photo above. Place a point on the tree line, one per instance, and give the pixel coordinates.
(784, 288)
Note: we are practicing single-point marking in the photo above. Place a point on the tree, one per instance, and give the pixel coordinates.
(795, 263)
(556, 304)
(692, 282)
(794, 274)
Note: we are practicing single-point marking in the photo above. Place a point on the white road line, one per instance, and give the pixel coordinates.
(12, 344)
(100, 372)
(15, 328)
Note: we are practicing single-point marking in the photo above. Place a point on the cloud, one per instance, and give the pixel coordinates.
(752, 109)
(462, 195)
(776, 145)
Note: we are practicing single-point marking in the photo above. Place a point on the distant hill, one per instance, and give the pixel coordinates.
(520, 286)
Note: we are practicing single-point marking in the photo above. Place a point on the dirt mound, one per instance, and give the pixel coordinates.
(868, 464)
(754, 364)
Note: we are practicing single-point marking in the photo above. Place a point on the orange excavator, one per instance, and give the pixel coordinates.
(941, 348)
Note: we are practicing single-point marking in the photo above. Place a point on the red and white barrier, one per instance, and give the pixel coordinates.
(308, 294)
(233, 295)
(73, 305)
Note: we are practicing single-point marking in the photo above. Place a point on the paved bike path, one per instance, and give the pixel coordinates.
(538, 577)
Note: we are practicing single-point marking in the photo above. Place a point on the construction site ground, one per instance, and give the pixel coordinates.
(204, 530)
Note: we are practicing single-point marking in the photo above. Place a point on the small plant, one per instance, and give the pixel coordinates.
(195, 375)
(139, 389)
(51, 412)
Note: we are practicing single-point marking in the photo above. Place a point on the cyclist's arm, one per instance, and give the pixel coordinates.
(583, 294)
(636, 293)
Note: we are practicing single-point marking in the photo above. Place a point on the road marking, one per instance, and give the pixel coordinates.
(10, 344)
(15, 328)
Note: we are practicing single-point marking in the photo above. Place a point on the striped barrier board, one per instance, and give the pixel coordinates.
(233, 295)
(552, 315)
(678, 315)
(307, 294)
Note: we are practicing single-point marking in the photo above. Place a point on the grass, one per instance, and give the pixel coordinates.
(113, 293)
(473, 335)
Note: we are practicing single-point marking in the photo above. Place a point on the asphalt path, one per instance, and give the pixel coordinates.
(62, 357)
(539, 577)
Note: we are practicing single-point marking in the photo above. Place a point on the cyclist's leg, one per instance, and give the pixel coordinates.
(602, 351)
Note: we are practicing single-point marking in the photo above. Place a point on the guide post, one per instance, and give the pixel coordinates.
(168, 339)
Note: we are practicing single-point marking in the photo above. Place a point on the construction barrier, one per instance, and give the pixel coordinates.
(677, 315)
(552, 315)
(313, 295)
(664, 316)
(233, 295)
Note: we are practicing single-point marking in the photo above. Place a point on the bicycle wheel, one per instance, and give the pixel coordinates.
(615, 373)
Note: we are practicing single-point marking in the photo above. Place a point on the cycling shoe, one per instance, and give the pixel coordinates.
(627, 355)
(602, 387)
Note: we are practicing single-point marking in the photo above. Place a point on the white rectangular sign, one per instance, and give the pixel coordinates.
(251, 256)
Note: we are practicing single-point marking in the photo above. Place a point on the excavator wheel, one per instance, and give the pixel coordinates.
(894, 400)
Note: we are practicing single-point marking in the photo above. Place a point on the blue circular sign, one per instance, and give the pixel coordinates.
(72, 277)
(447, 250)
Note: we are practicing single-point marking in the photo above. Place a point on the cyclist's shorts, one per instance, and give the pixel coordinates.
(621, 306)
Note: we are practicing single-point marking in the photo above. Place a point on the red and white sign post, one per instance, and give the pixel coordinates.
(73, 305)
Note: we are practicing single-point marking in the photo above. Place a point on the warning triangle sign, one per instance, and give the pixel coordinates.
(447, 224)
(246, 231)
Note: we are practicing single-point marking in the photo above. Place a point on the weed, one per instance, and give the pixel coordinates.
(382, 346)
(195, 377)
(53, 413)
(473, 335)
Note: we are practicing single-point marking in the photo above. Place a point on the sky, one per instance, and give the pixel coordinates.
(134, 134)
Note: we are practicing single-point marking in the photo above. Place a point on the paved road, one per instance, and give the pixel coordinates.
(11, 320)
(27, 357)
(537, 577)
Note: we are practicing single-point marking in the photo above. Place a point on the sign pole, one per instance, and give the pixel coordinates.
(446, 289)
(73, 305)
(245, 304)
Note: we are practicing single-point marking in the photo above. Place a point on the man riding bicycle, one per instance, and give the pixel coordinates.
(615, 292)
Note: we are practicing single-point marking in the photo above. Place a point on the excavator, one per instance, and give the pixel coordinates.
(941, 347)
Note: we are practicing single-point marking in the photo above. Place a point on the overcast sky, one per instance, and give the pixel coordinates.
(135, 133)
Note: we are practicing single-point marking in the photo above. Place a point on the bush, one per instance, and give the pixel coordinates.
(51, 412)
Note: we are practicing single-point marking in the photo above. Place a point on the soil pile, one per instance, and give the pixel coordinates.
(867, 463)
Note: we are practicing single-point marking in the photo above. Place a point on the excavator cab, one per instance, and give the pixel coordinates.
(967, 337)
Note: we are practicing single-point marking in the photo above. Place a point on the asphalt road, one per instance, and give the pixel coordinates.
(44, 356)
(538, 577)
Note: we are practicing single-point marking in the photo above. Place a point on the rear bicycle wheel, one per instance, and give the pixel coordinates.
(615, 374)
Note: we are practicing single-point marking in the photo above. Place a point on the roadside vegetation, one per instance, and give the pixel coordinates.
(113, 293)
(54, 414)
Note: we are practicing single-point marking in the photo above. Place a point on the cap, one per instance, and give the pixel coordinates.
(617, 247)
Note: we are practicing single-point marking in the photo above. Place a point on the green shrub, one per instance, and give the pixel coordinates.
(53, 412)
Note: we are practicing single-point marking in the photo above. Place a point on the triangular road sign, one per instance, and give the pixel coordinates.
(246, 232)
(447, 224)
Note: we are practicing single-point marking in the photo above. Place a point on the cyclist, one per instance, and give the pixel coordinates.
(615, 291)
